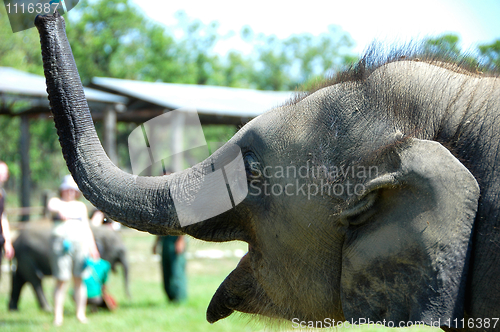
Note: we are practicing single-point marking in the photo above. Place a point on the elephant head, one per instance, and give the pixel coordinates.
(345, 217)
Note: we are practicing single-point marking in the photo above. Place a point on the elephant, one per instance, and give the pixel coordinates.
(373, 198)
(32, 253)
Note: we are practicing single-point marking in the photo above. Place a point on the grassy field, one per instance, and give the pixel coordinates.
(148, 309)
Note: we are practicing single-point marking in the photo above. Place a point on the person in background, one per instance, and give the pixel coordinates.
(72, 244)
(5, 238)
(99, 218)
(97, 295)
(173, 262)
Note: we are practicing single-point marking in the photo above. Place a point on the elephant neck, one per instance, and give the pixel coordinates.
(459, 110)
(427, 101)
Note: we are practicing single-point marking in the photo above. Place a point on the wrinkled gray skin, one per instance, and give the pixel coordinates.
(419, 243)
(32, 248)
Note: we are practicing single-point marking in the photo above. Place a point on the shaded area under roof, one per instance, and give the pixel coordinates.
(32, 88)
(215, 104)
(24, 95)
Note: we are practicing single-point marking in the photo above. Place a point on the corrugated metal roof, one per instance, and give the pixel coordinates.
(18, 82)
(214, 100)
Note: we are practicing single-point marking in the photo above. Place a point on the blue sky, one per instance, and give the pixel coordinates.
(390, 21)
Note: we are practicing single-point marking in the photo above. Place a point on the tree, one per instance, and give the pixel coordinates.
(111, 38)
(491, 54)
(235, 71)
(17, 50)
(196, 50)
(286, 64)
(446, 45)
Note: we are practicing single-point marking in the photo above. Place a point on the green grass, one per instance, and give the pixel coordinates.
(148, 310)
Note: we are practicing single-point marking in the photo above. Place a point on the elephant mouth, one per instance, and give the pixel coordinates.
(240, 291)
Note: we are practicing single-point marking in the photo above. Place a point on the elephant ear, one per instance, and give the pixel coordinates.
(407, 257)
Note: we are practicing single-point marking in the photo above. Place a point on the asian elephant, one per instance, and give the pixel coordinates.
(32, 253)
(371, 199)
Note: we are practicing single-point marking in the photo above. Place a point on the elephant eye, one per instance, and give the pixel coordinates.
(252, 166)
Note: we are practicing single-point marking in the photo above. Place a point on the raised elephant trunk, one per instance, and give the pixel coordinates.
(144, 203)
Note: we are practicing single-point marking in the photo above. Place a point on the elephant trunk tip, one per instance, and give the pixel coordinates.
(42, 20)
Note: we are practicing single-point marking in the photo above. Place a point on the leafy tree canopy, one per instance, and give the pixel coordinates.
(491, 54)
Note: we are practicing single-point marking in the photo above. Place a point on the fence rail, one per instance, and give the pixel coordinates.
(23, 211)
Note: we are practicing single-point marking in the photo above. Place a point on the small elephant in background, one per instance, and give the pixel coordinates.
(32, 253)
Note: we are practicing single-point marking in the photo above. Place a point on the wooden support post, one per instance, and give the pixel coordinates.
(177, 142)
(110, 134)
(24, 149)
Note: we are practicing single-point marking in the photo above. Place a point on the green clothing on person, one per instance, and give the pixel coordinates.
(174, 269)
(97, 275)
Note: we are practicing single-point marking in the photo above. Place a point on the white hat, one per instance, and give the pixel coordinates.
(68, 183)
